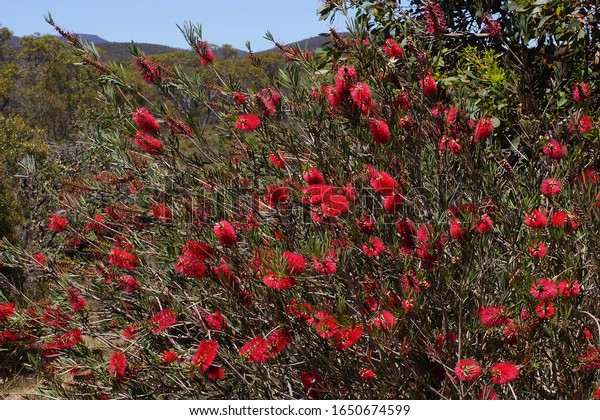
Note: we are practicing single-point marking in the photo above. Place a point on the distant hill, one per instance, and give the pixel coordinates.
(117, 51)
(89, 38)
(311, 43)
(14, 42)
(120, 50)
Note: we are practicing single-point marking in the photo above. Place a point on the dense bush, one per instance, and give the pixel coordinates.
(411, 213)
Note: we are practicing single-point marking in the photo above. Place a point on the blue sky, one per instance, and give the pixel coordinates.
(223, 21)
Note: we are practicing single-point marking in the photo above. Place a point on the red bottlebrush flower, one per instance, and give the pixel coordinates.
(55, 317)
(365, 224)
(215, 373)
(327, 266)
(129, 332)
(325, 325)
(40, 258)
(467, 370)
(190, 266)
(67, 340)
(590, 360)
(393, 202)
(57, 223)
(585, 124)
(385, 320)
(254, 350)
(162, 212)
(225, 233)
(299, 310)
(491, 26)
(239, 98)
(427, 249)
(511, 332)
(347, 73)
(117, 365)
(360, 94)
(597, 393)
(76, 301)
(403, 101)
(205, 54)
(147, 69)
(335, 205)
(450, 144)
(407, 232)
(485, 224)
(169, 357)
(215, 321)
(314, 194)
(122, 258)
(457, 232)
(581, 91)
(392, 49)
(129, 284)
(379, 130)
(504, 373)
(345, 338)
(405, 122)
(492, 316)
(197, 250)
(333, 96)
(545, 310)
(382, 182)
(176, 126)
(538, 250)
(150, 144)
(247, 122)
(374, 247)
(145, 121)
(434, 17)
(278, 159)
(551, 187)
(536, 220)
(268, 100)
(6, 310)
(554, 150)
(569, 288)
(277, 342)
(97, 225)
(409, 283)
(205, 354)
(487, 393)
(313, 177)
(296, 263)
(428, 86)
(163, 320)
(544, 289)
(483, 129)
(367, 374)
(311, 381)
(276, 195)
(408, 304)
(559, 219)
(276, 282)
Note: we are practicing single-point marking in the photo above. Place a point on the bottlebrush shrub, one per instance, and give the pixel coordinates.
(365, 261)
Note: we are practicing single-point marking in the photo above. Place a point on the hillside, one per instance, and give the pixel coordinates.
(120, 50)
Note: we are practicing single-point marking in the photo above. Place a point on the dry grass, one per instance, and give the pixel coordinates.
(19, 387)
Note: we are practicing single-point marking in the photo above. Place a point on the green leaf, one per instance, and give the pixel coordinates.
(562, 98)
(495, 122)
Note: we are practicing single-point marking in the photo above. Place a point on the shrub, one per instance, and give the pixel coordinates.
(370, 227)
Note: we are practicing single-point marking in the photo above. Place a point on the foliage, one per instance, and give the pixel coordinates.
(406, 215)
